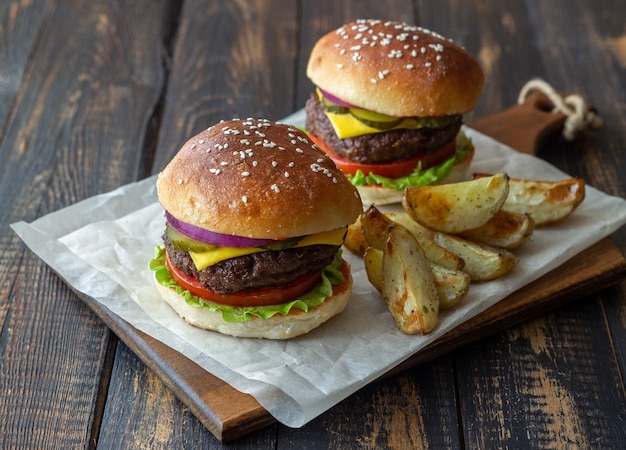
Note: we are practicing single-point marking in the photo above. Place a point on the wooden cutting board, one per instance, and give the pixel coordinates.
(230, 414)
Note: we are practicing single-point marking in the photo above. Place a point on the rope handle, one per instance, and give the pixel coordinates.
(578, 117)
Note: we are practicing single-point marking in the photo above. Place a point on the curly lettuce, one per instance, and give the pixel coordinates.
(331, 276)
(418, 177)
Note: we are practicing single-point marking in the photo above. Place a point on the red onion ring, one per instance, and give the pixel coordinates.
(210, 237)
(334, 99)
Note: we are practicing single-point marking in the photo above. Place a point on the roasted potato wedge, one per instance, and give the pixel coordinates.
(457, 207)
(482, 262)
(373, 261)
(505, 229)
(404, 219)
(546, 201)
(409, 287)
(452, 285)
(355, 241)
(375, 226)
(434, 252)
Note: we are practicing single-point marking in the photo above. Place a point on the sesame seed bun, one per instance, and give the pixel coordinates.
(259, 179)
(279, 326)
(396, 69)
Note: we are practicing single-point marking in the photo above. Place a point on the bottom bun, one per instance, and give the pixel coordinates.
(279, 326)
(377, 195)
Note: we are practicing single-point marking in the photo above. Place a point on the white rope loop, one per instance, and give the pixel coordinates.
(579, 117)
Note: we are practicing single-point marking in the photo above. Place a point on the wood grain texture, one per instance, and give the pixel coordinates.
(95, 94)
(87, 70)
(231, 59)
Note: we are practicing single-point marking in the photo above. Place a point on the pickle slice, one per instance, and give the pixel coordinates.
(184, 243)
(375, 120)
(283, 244)
(331, 107)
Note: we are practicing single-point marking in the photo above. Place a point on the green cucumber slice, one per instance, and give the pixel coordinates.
(184, 243)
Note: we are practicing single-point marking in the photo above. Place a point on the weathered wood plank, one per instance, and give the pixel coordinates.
(92, 69)
(19, 24)
(536, 385)
(232, 59)
(546, 392)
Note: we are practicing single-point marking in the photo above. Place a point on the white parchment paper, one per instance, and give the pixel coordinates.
(101, 247)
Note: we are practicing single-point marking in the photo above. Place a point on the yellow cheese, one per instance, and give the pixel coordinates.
(217, 254)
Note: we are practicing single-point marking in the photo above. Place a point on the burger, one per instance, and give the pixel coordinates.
(255, 217)
(389, 103)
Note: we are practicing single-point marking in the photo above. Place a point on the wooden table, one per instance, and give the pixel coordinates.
(96, 94)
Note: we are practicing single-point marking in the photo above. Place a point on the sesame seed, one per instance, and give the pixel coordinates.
(291, 164)
(180, 181)
(274, 163)
(245, 174)
(427, 64)
(410, 66)
(286, 174)
(244, 199)
(201, 141)
(275, 188)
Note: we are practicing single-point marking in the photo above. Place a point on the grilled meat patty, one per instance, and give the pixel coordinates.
(394, 145)
(251, 272)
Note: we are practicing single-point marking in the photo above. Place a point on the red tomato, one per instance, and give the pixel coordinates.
(394, 169)
(261, 297)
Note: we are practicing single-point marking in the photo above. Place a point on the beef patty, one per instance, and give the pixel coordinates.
(250, 272)
(393, 145)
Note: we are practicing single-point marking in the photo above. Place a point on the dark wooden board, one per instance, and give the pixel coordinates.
(230, 414)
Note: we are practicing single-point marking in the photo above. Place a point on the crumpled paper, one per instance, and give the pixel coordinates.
(101, 247)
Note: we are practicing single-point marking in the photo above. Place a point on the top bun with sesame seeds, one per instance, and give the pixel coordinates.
(396, 69)
(256, 216)
(388, 106)
(256, 179)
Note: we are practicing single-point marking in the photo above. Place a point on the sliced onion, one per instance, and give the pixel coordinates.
(210, 237)
(334, 99)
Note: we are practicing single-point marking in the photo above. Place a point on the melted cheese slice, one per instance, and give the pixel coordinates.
(205, 259)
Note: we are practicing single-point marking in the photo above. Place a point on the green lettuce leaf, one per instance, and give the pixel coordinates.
(331, 276)
(419, 177)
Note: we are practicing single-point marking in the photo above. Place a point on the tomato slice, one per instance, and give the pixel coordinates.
(261, 297)
(394, 169)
